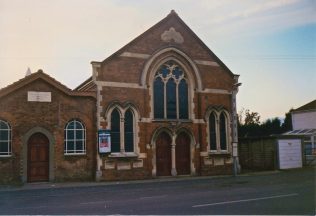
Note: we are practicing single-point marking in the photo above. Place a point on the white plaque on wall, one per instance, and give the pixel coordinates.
(39, 96)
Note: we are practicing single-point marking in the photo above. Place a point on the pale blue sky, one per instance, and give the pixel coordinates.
(271, 44)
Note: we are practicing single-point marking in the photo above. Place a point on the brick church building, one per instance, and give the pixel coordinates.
(168, 102)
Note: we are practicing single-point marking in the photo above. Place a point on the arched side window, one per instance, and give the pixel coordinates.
(5, 139)
(115, 131)
(223, 131)
(218, 131)
(129, 131)
(75, 138)
(212, 132)
(170, 92)
(159, 103)
(122, 130)
(183, 99)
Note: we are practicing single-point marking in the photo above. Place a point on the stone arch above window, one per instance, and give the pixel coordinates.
(168, 54)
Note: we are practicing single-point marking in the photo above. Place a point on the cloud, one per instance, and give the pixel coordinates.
(257, 17)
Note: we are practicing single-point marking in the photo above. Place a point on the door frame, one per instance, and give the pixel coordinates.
(24, 158)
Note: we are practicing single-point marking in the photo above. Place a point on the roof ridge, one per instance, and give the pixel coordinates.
(171, 14)
(34, 76)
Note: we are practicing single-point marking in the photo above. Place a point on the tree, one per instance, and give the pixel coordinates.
(287, 124)
(249, 124)
(251, 118)
(271, 126)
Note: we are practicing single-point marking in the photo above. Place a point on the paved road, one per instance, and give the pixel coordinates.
(284, 192)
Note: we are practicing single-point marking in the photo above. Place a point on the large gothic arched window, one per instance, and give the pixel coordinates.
(170, 92)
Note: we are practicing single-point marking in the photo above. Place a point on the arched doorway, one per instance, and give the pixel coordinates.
(163, 154)
(38, 158)
(183, 154)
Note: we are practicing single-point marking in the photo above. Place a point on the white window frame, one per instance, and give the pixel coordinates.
(7, 142)
(75, 151)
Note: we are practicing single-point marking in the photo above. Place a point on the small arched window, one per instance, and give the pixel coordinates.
(218, 131)
(75, 138)
(212, 131)
(129, 131)
(115, 131)
(5, 139)
(170, 92)
(223, 131)
(122, 130)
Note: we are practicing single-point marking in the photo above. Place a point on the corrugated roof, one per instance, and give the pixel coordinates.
(301, 132)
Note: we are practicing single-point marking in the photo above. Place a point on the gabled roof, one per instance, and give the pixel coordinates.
(307, 107)
(171, 15)
(43, 76)
(87, 85)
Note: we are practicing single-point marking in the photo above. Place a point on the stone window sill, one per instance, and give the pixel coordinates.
(74, 154)
(173, 120)
(219, 153)
(123, 155)
(4, 157)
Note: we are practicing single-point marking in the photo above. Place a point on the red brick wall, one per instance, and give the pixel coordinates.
(23, 116)
(129, 70)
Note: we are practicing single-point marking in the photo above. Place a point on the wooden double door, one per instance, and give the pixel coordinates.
(38, 158)
(164, 155)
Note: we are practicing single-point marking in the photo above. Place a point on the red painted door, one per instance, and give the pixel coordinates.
(38, 158)
(163, 154)
(183, 154)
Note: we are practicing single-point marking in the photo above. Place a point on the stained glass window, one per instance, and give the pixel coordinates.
(170, 80)
(159, 98)
(183, 100)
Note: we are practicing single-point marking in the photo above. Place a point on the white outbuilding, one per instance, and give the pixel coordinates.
(298, 147)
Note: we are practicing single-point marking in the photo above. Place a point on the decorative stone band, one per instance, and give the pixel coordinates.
(135, 55)
(146, 56)
(209, 63)
(119, 84)
(137, 86)
(216, 91)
